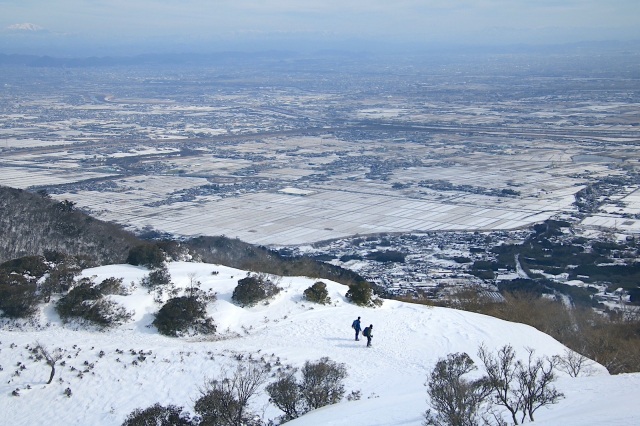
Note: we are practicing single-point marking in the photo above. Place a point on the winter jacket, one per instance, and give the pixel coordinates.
(356, 325)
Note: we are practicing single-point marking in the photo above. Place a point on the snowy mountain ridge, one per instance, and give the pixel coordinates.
(29, 27)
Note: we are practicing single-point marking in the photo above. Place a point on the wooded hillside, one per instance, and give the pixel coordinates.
(32, 224)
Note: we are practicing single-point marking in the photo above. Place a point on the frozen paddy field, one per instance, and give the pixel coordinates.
(619, 214)
(277, 199)
(336, 208)
(293, 208)
(279, 219)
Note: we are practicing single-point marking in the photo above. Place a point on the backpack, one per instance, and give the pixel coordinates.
(353, 324)
(365, 333)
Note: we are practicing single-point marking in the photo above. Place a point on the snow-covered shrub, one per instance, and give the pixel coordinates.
(34, 266)
(184, 315)
(254, 288)
(317, 293)
(61, 278)
(85, 302)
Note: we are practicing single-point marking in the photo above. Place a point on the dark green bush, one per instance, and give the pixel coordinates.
(55, 256)
(60, 279)
(253, 289)
(18, 295)
(157, 277)
(146, 255)
(455, 400)
(34, 266)
(112, 286)
(218, 408)
(360, 293)
(184, 315)
(158, 415)
(86, 303)
(317, 293)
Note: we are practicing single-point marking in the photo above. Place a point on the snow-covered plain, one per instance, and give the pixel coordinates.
(109, 378)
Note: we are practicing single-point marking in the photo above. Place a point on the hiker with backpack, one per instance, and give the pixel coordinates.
(356, 326)
(368, 333)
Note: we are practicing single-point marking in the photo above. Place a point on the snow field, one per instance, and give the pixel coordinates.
(139, 367)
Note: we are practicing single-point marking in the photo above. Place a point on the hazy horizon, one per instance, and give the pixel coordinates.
(159, 26)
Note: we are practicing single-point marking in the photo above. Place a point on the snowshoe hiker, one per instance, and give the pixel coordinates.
(356, 326)
(368, 333)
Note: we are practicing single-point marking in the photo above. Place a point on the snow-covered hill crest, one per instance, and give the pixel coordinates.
(111, 373)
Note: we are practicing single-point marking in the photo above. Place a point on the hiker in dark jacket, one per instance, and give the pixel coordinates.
(368, 333)
(356, 326)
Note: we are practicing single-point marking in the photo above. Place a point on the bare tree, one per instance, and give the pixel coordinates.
(520, 388)
(194, 285)
(502, 372)
(573, 363)
(225, 402)
(534, 383)
(286, 394)
(50, 358)
(246, 381)
(321, 384)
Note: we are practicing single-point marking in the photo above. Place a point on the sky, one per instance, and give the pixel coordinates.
(147, 25)
(408, 340)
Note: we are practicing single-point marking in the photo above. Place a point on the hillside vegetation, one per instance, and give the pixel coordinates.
(33, 224)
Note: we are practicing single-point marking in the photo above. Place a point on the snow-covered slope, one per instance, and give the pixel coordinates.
(111, 373)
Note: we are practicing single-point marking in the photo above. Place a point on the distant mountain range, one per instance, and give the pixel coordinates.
(147, 59)
(275, 56)
(25, 27)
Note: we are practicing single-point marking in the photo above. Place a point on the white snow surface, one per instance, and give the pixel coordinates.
(408, 341)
